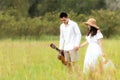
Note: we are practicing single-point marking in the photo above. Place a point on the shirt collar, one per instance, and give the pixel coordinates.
(68, 21)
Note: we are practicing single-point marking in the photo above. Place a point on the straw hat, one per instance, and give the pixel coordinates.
(92, 22)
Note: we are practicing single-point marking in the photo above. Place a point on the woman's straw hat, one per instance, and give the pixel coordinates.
(92, 22)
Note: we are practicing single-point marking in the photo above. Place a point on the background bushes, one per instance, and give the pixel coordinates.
(27, 27)
(35, 18)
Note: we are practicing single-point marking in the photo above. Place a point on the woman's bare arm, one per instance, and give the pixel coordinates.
(83, 44)
(100, 44)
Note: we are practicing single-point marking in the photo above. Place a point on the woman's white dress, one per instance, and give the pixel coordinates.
(93, 51)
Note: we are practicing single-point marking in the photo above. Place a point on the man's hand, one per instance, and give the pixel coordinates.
(75, 48)
(59, 56)
(61, 52)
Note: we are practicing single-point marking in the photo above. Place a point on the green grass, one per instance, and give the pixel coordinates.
(35, 60)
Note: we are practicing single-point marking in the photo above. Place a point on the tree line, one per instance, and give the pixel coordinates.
(33, 18)
(34, 8)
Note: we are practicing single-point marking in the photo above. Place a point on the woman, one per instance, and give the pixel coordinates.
(94, 41)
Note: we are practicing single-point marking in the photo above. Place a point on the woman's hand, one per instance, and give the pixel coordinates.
(103, 54)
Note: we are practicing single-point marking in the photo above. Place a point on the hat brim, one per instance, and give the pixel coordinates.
(93, 25)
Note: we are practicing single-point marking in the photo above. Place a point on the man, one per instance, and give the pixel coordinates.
(70, 37)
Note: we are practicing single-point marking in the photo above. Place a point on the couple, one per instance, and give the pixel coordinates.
(70, 37)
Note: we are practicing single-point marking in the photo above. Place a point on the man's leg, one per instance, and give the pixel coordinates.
(74, 60)
(68, 61)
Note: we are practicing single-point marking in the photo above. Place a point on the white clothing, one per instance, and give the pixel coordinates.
(93, 51)
(71, 56)
(70, 35)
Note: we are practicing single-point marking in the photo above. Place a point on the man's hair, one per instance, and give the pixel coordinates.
(63, 14)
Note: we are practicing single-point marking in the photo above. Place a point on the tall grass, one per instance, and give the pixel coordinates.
(35, 60)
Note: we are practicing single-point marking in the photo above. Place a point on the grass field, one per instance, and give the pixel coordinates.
(35, 60)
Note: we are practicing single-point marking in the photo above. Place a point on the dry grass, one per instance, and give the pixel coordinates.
(35, 60)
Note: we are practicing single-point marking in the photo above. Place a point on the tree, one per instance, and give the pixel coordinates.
(108, 21)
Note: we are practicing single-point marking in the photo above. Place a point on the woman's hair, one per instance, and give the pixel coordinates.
(92, 31)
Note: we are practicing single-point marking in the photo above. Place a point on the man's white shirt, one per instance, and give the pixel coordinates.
(70, 35)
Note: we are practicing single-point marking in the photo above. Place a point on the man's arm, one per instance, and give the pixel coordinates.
(61, 43)
(78, 36)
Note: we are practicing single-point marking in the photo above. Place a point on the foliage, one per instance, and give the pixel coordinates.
(33, 18)
(24, 27)
(78, 6)
(108, 21)
(14, 25)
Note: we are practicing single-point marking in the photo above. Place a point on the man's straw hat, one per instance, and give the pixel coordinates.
(92, 22)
